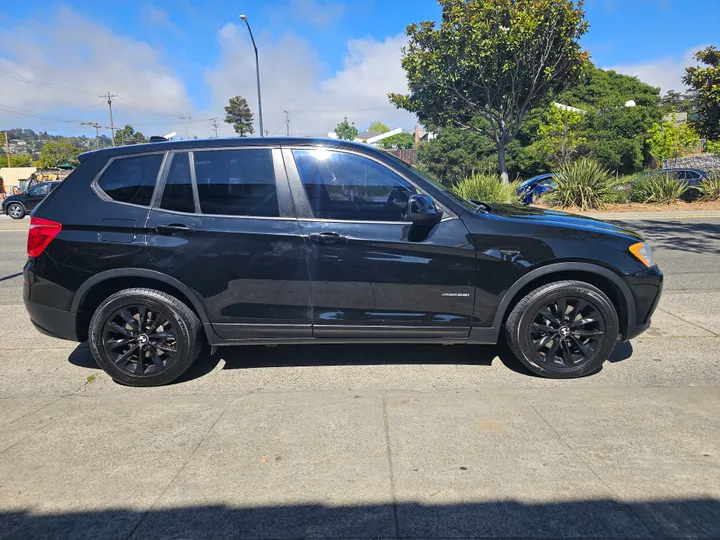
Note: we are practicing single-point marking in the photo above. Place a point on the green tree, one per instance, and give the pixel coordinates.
(560, 137)
(615, 133)
(400, 141)
(379, 127)
(491, 58)
(676, 102)
(671, 140)
(238, 113)
(128, 135)
(705, 85)
(57, 152)
(346, 131)
(456, 154)
(16, 160)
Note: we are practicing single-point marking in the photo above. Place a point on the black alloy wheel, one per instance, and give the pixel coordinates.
(564, 329)
(566, 332)
(144, 337)
(140, 340)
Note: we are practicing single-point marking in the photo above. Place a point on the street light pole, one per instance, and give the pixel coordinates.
(257, 71)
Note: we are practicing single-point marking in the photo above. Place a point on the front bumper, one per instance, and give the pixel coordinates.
(647, 289)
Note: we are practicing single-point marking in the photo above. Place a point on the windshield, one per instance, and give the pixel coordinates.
(473, 207)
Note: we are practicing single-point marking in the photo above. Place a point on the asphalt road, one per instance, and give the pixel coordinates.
(373, 441)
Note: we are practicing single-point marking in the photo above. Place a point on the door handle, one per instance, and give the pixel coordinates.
(174, 228)
(327, 238)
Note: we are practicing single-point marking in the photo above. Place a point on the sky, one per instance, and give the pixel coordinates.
(320, 60)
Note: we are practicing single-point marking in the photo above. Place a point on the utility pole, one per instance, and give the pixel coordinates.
(7, 149)
(214, 122)
(287, 124)
(186, 118)
(109, 97)
(257, 72)
(97, 132)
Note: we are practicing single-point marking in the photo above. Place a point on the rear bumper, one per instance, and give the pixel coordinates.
(53, 322)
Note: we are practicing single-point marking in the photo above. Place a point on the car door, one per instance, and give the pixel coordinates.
(373, 273)
(36, 194)
(225, 227)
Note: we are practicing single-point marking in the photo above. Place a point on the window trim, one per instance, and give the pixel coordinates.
(107, 198)
(298, 191)
(285, 202)
(162, 182)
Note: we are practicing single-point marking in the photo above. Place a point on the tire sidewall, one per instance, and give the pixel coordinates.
(97, 325)
(603, 305)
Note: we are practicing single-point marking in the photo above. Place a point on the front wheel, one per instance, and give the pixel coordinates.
(563, 330)
(144, 337)
(16, 211)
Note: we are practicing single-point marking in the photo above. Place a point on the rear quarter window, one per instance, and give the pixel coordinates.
(131, 179)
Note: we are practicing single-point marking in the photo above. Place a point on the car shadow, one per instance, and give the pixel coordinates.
(263, 356)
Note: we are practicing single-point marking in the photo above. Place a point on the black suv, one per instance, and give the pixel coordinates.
(151, 252)
(18, 206)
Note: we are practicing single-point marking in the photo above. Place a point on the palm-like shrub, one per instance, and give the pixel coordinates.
(662, 188)
(486, 188)
(583, 184)
(709, 188)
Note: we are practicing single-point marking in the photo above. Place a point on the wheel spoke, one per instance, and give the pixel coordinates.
(585, 320)
(122, 360)
(129, 319)
(117, 343)
(120, 329)
(561, 307)
(143, 317)
(164, 348)
(545, 312)
(586, 333)
(567, 354)
(162, 335)
(577, 309)
(155, 358)
(552, 352)
(543, 328)
(584, 349)
(159, 321)
(140, 368)
(540, 343)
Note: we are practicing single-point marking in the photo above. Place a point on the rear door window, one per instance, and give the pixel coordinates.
(236, 182)
(131, 179)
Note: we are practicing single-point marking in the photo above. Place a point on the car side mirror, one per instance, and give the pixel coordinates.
(421, 209)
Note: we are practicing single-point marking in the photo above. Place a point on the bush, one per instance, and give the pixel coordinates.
(709, 188)
(485, 188)
(584, 184)
(657, 188)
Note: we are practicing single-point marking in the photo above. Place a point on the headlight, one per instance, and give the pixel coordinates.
(643, 253)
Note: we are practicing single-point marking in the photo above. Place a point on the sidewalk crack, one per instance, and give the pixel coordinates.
(692, 323)
(393, 494)
(619, 500)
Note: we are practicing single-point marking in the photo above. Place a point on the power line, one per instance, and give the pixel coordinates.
(46, 84)
(26, 113)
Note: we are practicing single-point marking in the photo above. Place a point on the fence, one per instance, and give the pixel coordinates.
(408, 156)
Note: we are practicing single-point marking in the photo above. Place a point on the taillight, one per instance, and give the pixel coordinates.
(41, 233)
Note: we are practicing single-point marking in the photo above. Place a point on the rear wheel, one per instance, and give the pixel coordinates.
(16, 211)
(563, 330)
(144, 337)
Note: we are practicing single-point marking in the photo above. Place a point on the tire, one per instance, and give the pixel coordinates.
(148, 353)
(575, 347)
(15, 210)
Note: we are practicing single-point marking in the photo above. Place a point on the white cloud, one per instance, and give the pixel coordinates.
(95, 59)
(291, 80)
(316, 12)
(86, 56)
(665, 73)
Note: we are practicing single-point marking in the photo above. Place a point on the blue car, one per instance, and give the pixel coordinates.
(534, 187)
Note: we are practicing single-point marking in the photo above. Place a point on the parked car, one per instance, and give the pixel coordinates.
(693, 177)
(287, 240)
(17, 206)
(531, 189)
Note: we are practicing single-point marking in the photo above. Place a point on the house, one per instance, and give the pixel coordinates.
(370, 137)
